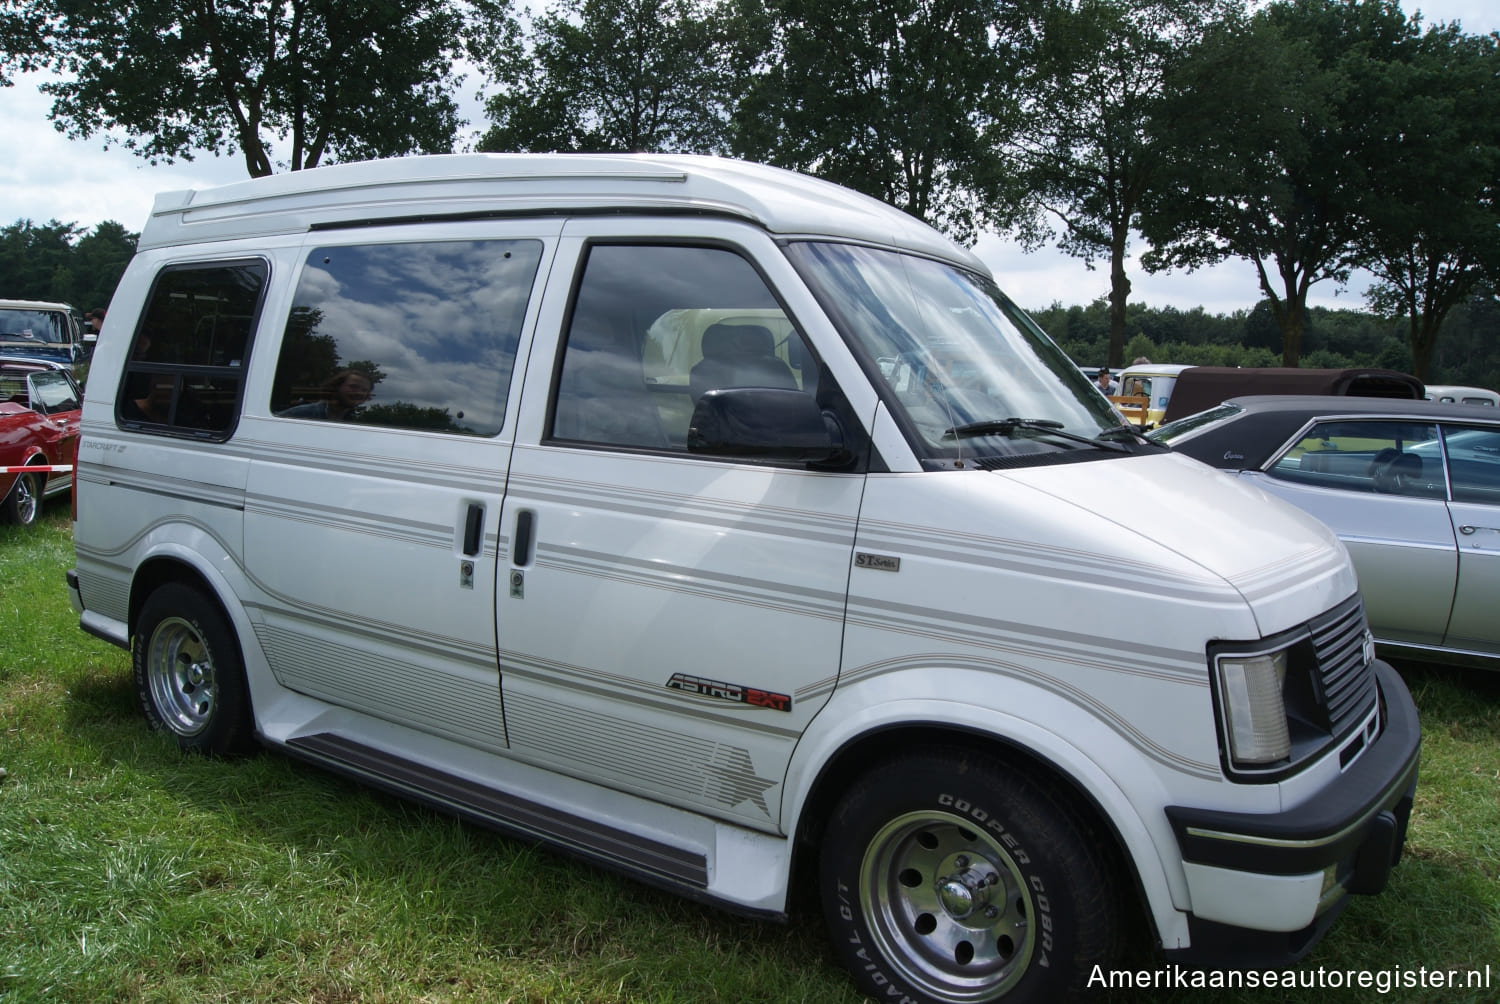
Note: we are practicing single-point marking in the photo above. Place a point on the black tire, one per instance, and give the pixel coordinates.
(23, 503)
(947, 876)
(189, 675)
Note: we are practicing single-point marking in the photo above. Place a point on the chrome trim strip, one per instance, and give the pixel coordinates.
(1282, 843)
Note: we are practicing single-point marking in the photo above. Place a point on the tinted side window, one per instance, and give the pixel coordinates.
(1474, 464)
(413, 336)
(186, 369)
(653, 328)
(1391, 458)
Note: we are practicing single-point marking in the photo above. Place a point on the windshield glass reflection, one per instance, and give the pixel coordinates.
(964, 370)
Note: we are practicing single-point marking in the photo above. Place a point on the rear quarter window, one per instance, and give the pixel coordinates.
(185, 374)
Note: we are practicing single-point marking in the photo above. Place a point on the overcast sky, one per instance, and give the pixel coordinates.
(44, 176)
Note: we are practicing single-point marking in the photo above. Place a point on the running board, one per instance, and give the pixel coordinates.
(496, 809)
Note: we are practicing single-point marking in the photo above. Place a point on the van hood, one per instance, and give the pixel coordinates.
(32, 349)
(1285, 564)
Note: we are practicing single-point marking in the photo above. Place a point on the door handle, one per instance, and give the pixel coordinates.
(1475, 529)
(473, 529)
(525, 528)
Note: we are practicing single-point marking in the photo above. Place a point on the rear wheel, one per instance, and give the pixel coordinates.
(24, 503)
(189, 676)
(949, 877)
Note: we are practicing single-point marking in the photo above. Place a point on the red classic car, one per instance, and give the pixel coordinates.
(39, 415)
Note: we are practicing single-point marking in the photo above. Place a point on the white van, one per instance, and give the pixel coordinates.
(705, 520)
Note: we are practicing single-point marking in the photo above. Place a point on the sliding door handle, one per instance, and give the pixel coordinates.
(525, 532)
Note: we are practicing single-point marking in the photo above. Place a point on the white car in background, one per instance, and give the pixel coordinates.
(1453, 394)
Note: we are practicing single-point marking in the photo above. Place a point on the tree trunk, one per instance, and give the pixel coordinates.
(1290, 310)
(1292, 327)
(1119, 294)
(1424, 331)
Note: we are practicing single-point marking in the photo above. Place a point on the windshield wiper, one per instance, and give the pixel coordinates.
(1132, 431)
(1042, 426)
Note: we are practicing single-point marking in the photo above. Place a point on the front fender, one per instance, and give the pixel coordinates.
(1106, 769)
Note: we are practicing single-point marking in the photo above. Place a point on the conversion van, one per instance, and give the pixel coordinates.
(708, 521)
(42, 330)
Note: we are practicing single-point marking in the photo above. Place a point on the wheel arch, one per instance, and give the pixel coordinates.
(161, 569)
(1152, 900)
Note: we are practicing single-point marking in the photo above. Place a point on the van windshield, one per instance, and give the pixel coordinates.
(42, 326)
(965, 372)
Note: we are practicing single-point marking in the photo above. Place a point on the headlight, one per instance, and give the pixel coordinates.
(1255, 720)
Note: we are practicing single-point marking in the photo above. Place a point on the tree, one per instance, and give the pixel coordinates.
(1088, 158)
(615, 76)
(31, 256)
(331, 79)
(100, 257)
(61, 262)
(889, 97)
(24, 41)
(1272, 135)
(1431, 214)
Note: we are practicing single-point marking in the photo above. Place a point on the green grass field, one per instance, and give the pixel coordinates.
(129, 872)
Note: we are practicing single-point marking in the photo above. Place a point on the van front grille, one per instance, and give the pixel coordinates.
(1345, 680)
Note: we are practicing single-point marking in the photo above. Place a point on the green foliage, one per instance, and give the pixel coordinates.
(1469, 353)
(620, 76)
(893, 99)
(63, 263)
(1090, 91)
(23, 39)
(1430, 211)
(332, 79)
(130, 872)
(1273, 130)
(405, 415)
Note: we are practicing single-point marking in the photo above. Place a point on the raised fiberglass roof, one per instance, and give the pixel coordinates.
(477, 184)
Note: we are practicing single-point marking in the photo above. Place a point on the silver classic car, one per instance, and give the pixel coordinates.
(1412, 488)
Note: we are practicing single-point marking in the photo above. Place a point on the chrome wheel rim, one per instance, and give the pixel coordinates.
(948, 906)
(180, 674)
(26, 499)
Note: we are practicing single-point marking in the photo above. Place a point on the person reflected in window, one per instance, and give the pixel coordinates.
(154, 405)
(343, 394)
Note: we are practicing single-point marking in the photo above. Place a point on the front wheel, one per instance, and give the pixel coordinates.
(950, 877)
(189, 676)
(24, 503)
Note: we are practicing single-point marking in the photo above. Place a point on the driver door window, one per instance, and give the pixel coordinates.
(1386, 458)
(654, 328)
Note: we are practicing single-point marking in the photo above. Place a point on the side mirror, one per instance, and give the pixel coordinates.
(769, 423)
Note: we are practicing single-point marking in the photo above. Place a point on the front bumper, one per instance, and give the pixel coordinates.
(1266, 887)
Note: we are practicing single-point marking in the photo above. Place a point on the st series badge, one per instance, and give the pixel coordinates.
(877, 562)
